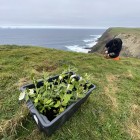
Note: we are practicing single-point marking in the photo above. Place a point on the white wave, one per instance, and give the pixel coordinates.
(89, 40)
(96, 36)
(89, 45)
(93, 41)
(93, 35)
(77, 48)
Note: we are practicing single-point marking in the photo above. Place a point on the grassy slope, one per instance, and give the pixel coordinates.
(112, 112)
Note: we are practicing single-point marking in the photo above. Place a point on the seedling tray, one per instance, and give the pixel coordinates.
(42, 121)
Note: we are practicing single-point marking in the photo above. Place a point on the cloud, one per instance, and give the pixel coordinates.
(70, 12)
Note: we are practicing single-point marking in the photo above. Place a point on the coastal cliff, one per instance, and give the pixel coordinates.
(129, 36)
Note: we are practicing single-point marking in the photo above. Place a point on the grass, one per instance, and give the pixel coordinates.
(112, 112)
(136, 31)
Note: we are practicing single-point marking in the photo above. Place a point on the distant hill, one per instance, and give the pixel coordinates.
(129, 36)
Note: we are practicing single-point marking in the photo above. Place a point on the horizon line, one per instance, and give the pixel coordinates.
(49, 27)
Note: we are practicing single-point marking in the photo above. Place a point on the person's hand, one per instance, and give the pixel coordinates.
(111, 54)
(107, 56)
(106, 52)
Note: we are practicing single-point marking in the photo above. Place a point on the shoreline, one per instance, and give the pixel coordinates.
(76, 41)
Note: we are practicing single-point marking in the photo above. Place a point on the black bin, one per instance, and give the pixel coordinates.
(42, 121)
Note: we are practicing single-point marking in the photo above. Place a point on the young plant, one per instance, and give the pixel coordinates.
(56, 95)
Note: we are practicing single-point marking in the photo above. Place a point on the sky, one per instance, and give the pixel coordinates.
(70, 13)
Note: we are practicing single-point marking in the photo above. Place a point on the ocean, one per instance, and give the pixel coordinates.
(63, 39)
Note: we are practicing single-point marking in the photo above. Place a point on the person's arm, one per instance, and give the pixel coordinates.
(107, 46)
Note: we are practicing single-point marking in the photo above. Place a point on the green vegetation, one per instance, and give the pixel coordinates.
(56, 94)
(115, 31)
(111, 113)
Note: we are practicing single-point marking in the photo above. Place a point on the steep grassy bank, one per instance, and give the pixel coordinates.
(129, 36)
(112, 112)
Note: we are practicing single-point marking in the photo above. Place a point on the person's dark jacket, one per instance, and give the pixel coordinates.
(114, 47)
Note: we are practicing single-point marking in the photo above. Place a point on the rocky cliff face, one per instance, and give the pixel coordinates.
(129, 36)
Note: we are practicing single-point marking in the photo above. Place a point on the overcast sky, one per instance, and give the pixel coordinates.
(71, 13)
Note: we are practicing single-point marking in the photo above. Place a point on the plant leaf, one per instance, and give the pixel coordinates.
(26, 97)
(36, 100)
(22, 95)
(81, 95)
(66, 99)
(70, 87)
(31, 91)
(49, 101)
(57, 104)
(61, 109)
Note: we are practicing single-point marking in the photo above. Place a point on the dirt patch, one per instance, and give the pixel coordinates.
(46, 66)
(133, 125)
(134, 130)
(35, 135)
(111, 97)
(110, 90)
(135, 110)
(127, 75)
(112, 79)
(22, 82)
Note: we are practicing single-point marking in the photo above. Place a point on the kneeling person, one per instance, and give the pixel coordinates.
(113, 48)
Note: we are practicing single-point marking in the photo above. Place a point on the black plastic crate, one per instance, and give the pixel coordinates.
(42, 121)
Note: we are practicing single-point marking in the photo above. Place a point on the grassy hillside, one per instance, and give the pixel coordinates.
(112, 112)
(129, 36)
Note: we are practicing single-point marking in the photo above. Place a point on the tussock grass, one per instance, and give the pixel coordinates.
(8, 128)
(112, 112)
(133, 126)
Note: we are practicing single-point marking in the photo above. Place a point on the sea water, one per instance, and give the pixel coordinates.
(78, 40)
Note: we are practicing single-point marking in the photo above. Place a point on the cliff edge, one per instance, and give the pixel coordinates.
(129, 36)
